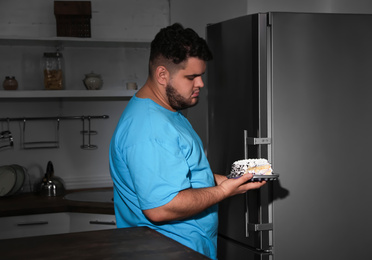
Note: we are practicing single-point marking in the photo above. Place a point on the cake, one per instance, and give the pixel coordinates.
(254, 166)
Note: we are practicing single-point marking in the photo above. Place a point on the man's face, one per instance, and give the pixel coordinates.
(184, 86)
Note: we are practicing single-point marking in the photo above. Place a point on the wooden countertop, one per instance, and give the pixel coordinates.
(32, 203)
(123, 243)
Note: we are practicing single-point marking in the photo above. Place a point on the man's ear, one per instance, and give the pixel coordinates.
(162, 75)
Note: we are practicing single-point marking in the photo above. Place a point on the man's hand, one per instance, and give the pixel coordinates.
(239, 185)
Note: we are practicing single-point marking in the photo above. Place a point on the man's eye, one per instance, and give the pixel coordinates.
(191, 77)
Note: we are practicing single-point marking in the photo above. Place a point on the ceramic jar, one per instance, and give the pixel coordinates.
(93, 81)
(10, 83)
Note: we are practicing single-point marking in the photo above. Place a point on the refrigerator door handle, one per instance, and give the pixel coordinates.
(253, 141)
(260, 227)
(255, 227)
(246, 144)
(257, 141)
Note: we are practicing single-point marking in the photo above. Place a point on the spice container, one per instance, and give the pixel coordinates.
(10, 83)
(53, 70)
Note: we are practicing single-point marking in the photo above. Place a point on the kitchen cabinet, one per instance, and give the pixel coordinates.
(53, 223)
(118, 62)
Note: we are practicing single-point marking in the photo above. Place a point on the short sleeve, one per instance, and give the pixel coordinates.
(158, 171)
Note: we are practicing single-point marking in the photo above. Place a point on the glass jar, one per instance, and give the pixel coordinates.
(53, 65)
(10, 83)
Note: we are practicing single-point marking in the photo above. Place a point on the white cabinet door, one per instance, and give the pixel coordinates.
(34, 225)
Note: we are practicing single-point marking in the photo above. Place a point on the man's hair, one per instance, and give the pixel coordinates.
(175, 44)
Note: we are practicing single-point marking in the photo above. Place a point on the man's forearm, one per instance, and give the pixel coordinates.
(186, 204)
(193, 201)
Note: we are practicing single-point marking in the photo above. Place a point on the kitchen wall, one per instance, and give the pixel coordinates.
(129, 20)
(113, 19)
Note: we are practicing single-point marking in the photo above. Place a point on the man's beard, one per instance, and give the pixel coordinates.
(176, 101)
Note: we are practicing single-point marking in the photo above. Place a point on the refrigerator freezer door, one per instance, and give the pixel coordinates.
(234, 251)
(234, 80)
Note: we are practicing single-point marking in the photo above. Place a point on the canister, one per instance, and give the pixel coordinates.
(53, 66)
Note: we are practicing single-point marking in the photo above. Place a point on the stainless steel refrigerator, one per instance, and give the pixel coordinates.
(295, 88)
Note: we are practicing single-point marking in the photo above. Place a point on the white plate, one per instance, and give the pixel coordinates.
(8, 178)
(20, 173)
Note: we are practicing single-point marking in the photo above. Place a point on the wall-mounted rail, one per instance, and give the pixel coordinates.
(6, 138)
(8, 119)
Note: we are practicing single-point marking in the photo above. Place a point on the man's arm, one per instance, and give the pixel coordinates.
(190, 202)
(218, 179)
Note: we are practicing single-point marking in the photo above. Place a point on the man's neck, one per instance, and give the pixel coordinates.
(156, 93)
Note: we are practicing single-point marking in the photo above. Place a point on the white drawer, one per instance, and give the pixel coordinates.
(34, 225)
(86, 222)
(53, 223)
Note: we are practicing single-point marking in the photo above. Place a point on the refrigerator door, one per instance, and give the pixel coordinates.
(236, 87)
(322, 142)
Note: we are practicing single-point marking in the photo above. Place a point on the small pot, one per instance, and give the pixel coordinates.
(93, 81)
(10, 83)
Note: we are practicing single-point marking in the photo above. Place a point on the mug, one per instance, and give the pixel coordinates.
(131, 85)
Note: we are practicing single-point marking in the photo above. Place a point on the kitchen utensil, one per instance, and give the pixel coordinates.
(6, 138)
(51, 185)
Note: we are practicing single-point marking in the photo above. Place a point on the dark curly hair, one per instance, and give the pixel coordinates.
(176, 44)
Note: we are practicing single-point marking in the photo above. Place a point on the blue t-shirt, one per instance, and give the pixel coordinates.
(154, 154)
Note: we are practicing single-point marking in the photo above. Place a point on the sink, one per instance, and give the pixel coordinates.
(91, 196)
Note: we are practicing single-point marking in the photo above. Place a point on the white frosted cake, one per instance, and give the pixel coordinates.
(254, 166)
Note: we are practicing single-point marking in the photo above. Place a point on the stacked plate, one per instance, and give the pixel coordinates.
(12, 178)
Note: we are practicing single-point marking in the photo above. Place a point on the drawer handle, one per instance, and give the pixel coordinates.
(33, 223)
(97, 222)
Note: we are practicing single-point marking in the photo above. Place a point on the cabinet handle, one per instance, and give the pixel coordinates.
(32, 223)
(98, 222)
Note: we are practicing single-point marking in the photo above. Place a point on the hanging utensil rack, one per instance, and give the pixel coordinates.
(55, 143)
(52, 118)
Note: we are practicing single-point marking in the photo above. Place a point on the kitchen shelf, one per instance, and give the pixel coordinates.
(67, 93)
(73, 42)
